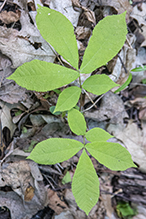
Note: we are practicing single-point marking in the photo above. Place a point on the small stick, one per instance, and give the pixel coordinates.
(94, 103)
(3, 5)
(122, 64)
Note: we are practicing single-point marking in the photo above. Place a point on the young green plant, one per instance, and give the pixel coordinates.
(107, 39)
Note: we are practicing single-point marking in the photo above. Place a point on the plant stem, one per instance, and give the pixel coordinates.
(81, 93)
(93, 104)
(84, 140)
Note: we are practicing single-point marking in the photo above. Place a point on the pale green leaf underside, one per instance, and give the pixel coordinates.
(85, 185)
(58, 31)
(55, 150)
(99, 84)
(112, 155)
(76, 122)
(43, 76)
(108, 38)
(97, 134)
(68, 98)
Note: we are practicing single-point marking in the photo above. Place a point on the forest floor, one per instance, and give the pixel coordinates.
(32, 191)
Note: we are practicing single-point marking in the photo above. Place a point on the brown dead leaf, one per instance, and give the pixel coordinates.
(8, 17)
(19, 45)
(29, 193)
(139, 91)
(139, 15)
(90, 15)
(111, 107)
(119, 5)
(2, 144)
(17, 175)
(76, 3)
(17, 208)
(144, 36)
(138, 102)
(10, 92)
(142, 114)
(82, 32)
(106, 198)
(70, 199)
(128, 56)
(134, 140)
(55, 203)
(66, 8)
(5, 115)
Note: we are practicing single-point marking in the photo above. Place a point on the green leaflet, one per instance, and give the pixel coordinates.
(125, 84)
(97, 134)
(112, 155)
(85, 185)
(43, 76)
(55, 150)
(52, 110)
(124, 210)
(108, 38)
(141, 68)
(99, 84)
(57, 30)
(76, 122)
(68, 98)
(66, 178)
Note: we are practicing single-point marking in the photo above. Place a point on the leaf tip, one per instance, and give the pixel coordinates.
(134, 165)
(39, 6)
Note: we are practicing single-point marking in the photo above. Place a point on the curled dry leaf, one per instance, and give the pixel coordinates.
(6, 119)
(55, 202)
(128, 56)
(119, 5)
(10, 92)
(82, 32)
(24, 45)
(139, 15)
(90, 15)
(143, 37)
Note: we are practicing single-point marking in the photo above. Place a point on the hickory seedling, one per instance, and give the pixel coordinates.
(107, 39)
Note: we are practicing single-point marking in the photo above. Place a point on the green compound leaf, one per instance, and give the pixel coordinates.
(55, 150)
(68, 98)
(108, 38)
(125, 84)
(85, 185)
(112, 155)
(57, 30)
(43, 76)
(99, 84)
(97, 134)
(76, 122)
